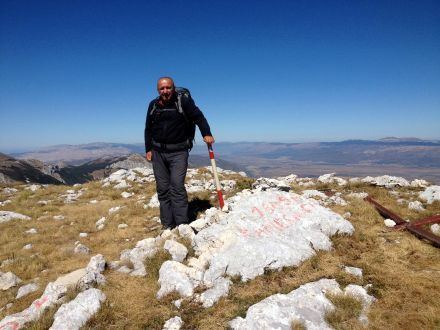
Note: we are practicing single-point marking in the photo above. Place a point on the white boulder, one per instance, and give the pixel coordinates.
(416, 206)
(178, 251)
(6, 216)
(8, 280)
(26, 289)
(174, 323)
(430, 195)
(75, 314)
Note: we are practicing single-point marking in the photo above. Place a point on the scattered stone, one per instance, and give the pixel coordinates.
(176, 277)
(360, 195)
(33, 187)
(59, 217)
(401, 201)
(42, 202)
(124, 269)
(31, 231)
(291, 178)
(122, 185)
(430, 195)
(122, 226)
(126, 194)
(314, 193)
(416, 206)
(331, 178)
(51, 296)
(306, 305)
(100, 224)
(346, 215)
(94, 201)
(418, 183)
(154, 201)
(8, 280)
(83, 235)
(146, 248)
(9, 191)
(386, 181)
(178, 251)
(26, 289)
(353, 271)
(114, 209)
(6, 202)
(435, 228)
(174, 323)
(389, 223)
(6, 216)
(72, 196)
(186, 231)
(81, 248)
(27, 247)
(266, 183)
(77, 312)
(219, 289)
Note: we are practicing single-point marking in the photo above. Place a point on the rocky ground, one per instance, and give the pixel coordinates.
(284, 253)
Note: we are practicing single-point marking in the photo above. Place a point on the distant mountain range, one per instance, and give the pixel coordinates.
(409, 157)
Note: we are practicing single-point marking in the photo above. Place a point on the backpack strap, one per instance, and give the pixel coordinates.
(179, 106)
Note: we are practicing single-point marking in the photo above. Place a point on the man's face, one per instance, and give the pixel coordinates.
(165, 87)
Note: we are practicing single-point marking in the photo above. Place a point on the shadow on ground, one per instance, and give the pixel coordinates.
(197, 206)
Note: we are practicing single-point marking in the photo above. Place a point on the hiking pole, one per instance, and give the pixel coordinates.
(214, 171)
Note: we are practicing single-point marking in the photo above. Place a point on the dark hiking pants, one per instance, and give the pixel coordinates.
(170, 171)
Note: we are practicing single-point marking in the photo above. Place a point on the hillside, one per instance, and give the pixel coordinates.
(290, 252)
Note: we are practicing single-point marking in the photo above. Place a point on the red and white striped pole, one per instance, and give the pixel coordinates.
(217, 182)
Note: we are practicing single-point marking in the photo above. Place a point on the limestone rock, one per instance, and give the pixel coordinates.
(178, 251)
(122, 226)
(418, 183)
(353, 271)
(416, 206)
(389, 223)
(174, 323)
(75, 314)
(430, 195)
(386, 181)
(31, 231)
(266, 183)
(26, 289)
(8, 280)
(154, 201)
(331, 178)
(100, 224)
(435, 228)
(6, 216)
(176, 277)
(81, 248)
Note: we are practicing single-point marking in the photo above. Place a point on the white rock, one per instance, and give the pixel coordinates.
(42, 202)
(387, 181)
(33, 187)
(81, 248)
(145, 248)
(389, 223)
(114, 209)
(307, 305)
(94, 201)
(75, 314)
(353, 271)
(6, 202)
(176, 277)
(419, 183)
(266, 183)
(8, 280)
(314, 193)
(83, 235)
(360, 195)
(100, 224)
(6, 216)
(331, 178)
(263, 230)
(174, 323)
(58, 217)
(219, 289)
(154, 201)
(416, 206)
(126, 194)
(26, 289)
(27, 247)
(435, 228)
(122, 226)
(291, 178)
(31, 231)
(178, 251)
(51, 295)
(122, 185)
(9, 191)
(430, 195)
(186, 231)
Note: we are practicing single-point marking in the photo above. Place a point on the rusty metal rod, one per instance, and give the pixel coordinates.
(416, 230)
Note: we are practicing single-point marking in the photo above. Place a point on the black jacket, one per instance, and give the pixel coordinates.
(168, 126)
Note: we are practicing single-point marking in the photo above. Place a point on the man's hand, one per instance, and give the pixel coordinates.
(208, 139)
(148, 156)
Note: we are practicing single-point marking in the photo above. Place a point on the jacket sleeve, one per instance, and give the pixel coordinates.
(147, 130)
(194, 114)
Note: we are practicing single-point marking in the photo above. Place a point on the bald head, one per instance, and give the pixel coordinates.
(165, 88)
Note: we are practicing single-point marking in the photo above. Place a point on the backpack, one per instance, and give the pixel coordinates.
(191, 126)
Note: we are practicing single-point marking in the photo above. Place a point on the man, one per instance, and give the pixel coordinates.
(168, 139)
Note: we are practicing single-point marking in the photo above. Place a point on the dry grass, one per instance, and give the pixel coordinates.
(403, 270)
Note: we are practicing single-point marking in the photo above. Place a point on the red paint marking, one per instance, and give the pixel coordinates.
(258, 211)
(11, 325)
(39, 303)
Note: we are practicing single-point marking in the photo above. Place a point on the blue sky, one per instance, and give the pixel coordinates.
(291, 71)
